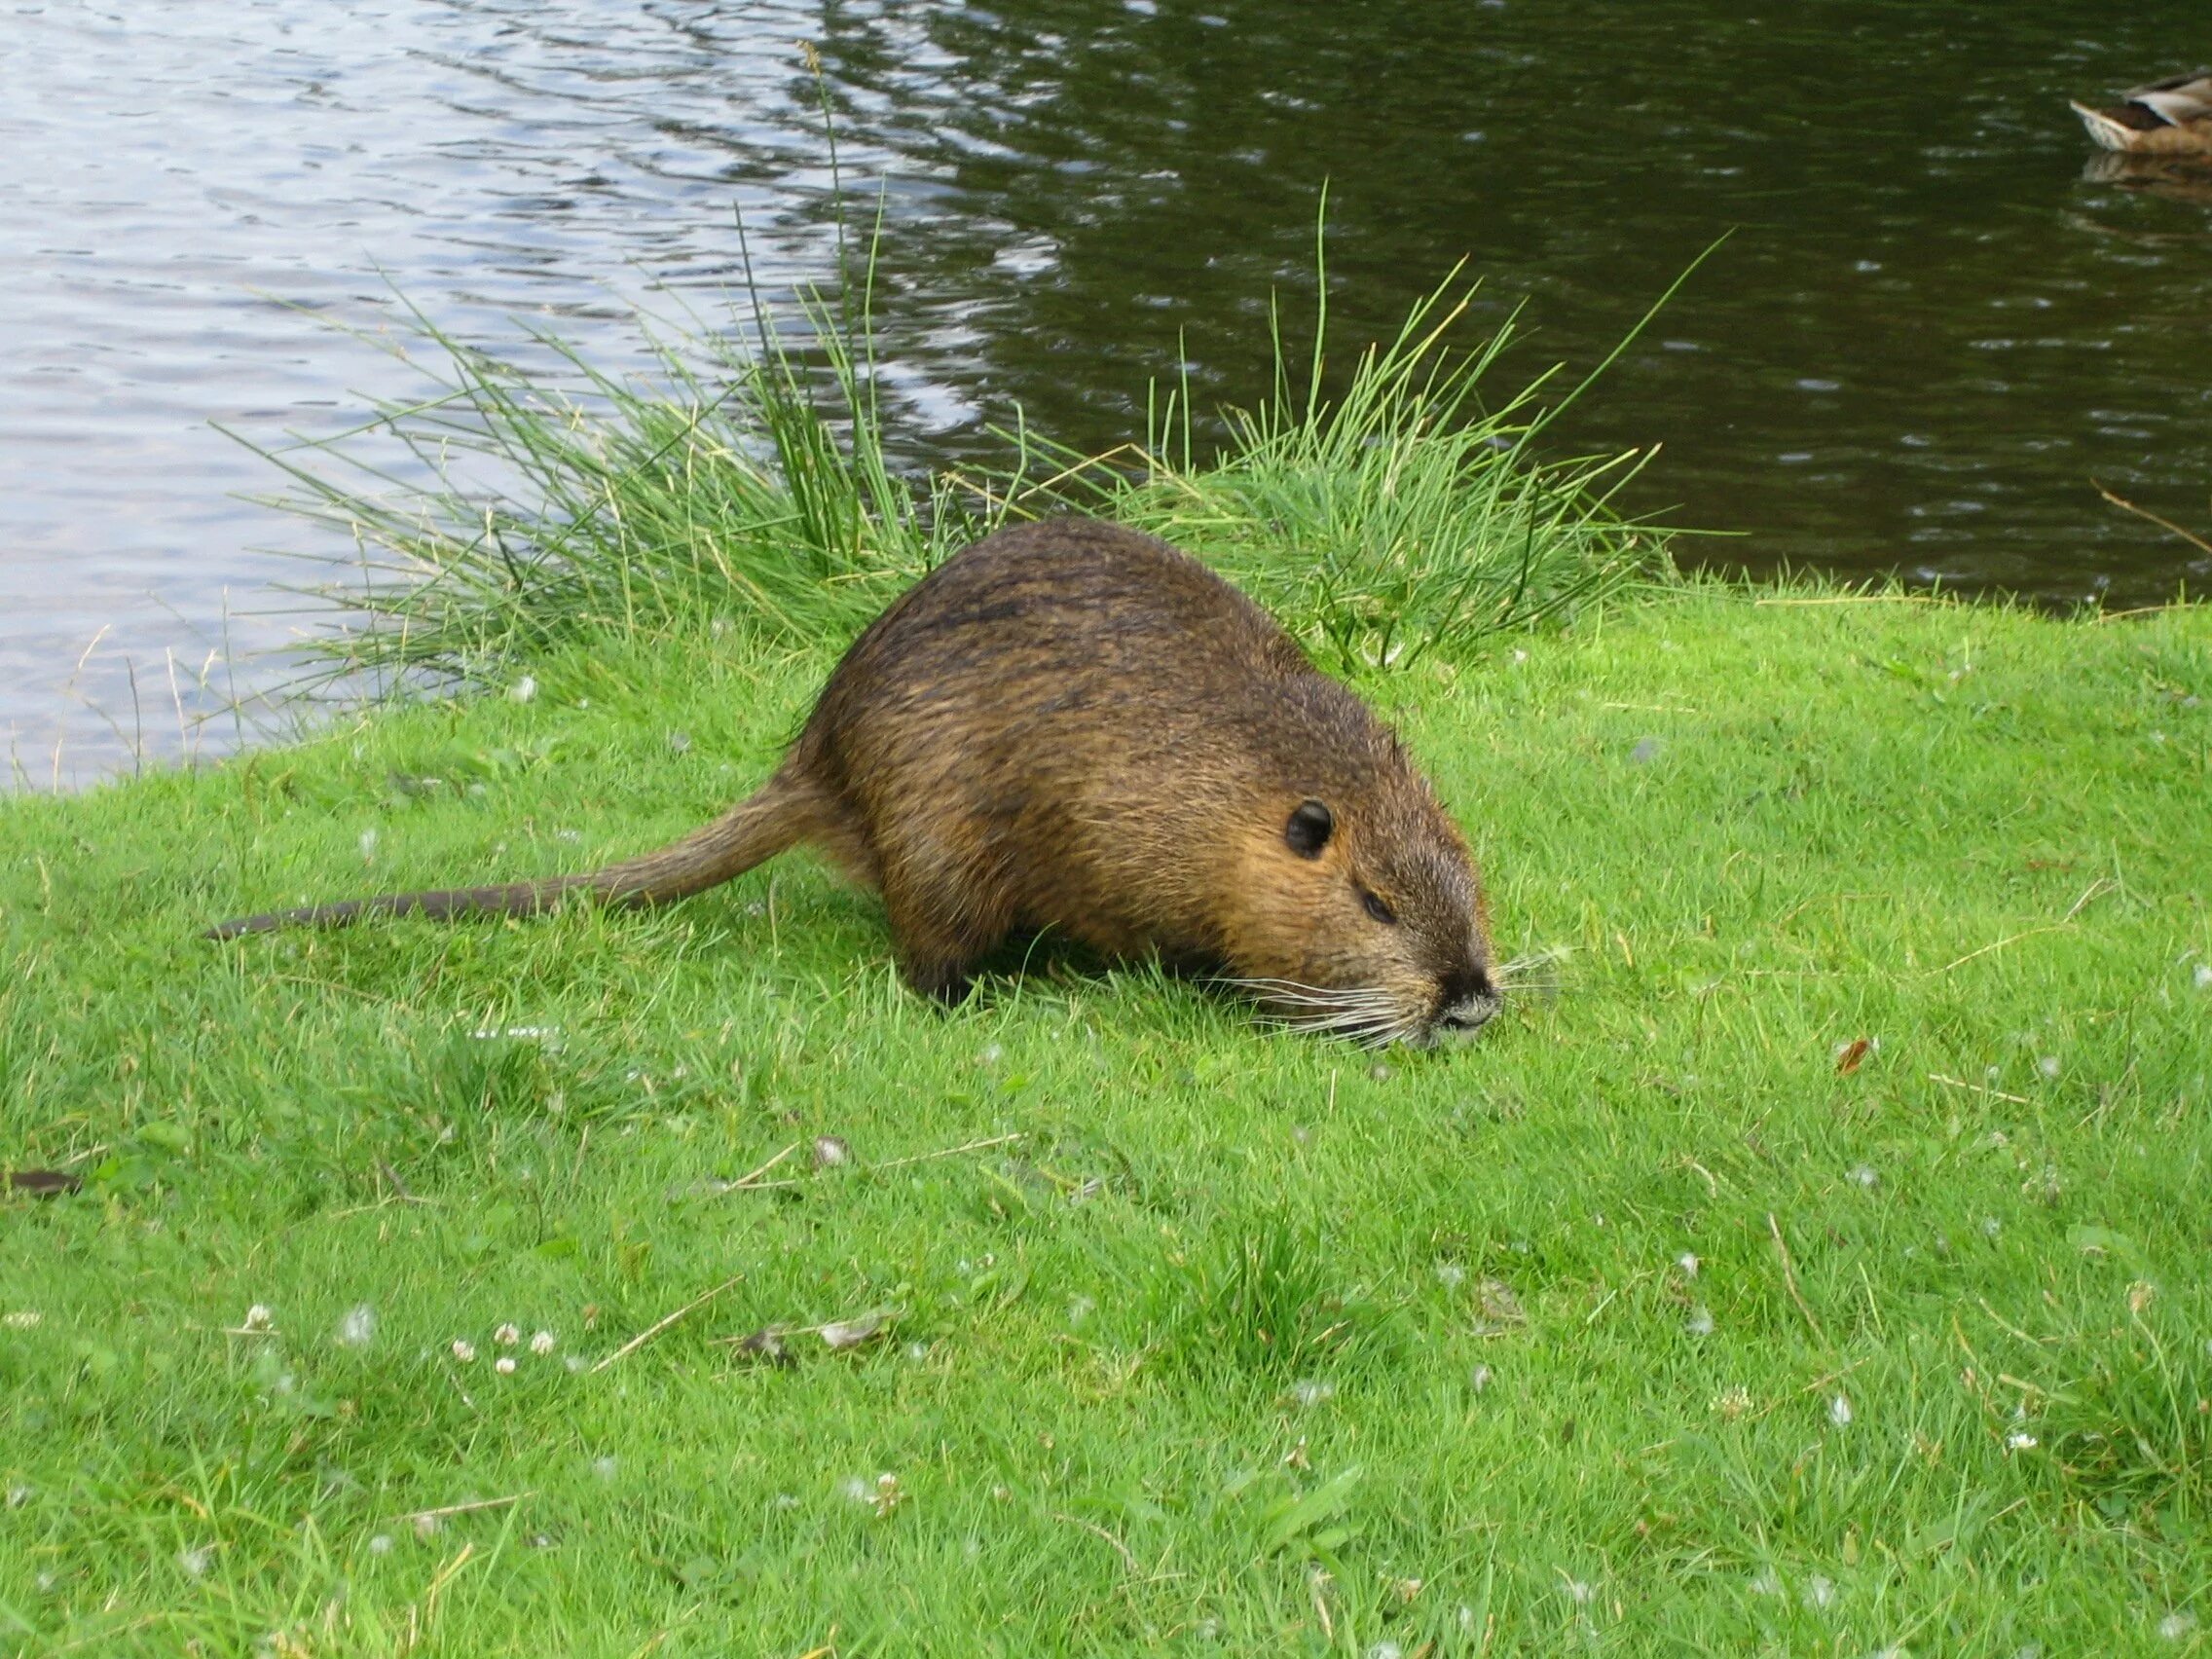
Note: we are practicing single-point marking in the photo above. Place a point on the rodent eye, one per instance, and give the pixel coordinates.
(1381, 911)
(1310, 829)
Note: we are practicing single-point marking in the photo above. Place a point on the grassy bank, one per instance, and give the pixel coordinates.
(1816, 1266)
(1657, 1321)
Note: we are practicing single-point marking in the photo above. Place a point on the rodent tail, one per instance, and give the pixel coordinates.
(787, 809)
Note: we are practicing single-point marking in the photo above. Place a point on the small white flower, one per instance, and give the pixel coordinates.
(1862, 1175)
(831, 1151)
(381, 1544)
(1450, 1275)
(1386, 1649)
(368, 845)
(1310, 1392)
(523, 690)
(991, 1054)
(257, 1317)
(1479, 1378)
(1839, 1411)
(604, 1467)
(1820, 1593)
(507, 1336)
(1768, 1582)
(2021, 1442)
(194, 1562)
(19, 1495)
(427, 1525)
(2047, 1065)
(1080, 1309)
(504, 1365)
(574, 1362)
(2203, 976)
(1991, 1226)
(359, 1326)
(1689, 1263)
(1579, 1593)
(463, 1350)
(541, 1343)
(1700, 1322)
(2177, 1625)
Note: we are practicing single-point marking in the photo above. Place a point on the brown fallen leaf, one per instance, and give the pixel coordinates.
(765, 1345)
(1852, 1057)
(1500, 1308)
(44, 1183)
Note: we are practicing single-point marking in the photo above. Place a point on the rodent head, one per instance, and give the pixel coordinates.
(1361, 914)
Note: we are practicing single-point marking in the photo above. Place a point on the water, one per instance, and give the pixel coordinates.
(1929, 329)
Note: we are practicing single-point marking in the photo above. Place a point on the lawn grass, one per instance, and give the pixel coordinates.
(1648, 1323)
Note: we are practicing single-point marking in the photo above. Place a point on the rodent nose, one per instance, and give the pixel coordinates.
(1467, 987)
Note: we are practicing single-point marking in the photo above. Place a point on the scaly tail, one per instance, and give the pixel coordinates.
(787, 809)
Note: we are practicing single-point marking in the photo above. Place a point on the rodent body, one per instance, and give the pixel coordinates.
(1072, 726)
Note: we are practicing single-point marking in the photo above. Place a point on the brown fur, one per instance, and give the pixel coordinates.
(1071, 726)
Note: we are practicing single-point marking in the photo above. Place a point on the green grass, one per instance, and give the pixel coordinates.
(1241, 1346)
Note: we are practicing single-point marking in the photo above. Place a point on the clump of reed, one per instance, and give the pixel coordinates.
(509, 509)
(1402, 513)
(748, 482)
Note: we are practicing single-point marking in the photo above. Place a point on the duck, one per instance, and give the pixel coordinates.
(2172, 117)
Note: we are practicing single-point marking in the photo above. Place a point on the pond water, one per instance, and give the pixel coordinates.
(1933, 323)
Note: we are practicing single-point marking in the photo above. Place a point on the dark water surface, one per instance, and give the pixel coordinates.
(1932, 326)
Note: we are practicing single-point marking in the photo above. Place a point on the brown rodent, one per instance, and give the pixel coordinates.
(1072, 726)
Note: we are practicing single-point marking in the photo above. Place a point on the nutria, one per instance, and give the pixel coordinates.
(1072, 726)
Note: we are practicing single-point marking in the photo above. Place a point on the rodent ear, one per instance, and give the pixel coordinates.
(1309, 827)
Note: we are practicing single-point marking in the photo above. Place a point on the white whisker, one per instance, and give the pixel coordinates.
(1529, 962)
(1349, 1001)
(1289, 988)
(1369, 1016)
